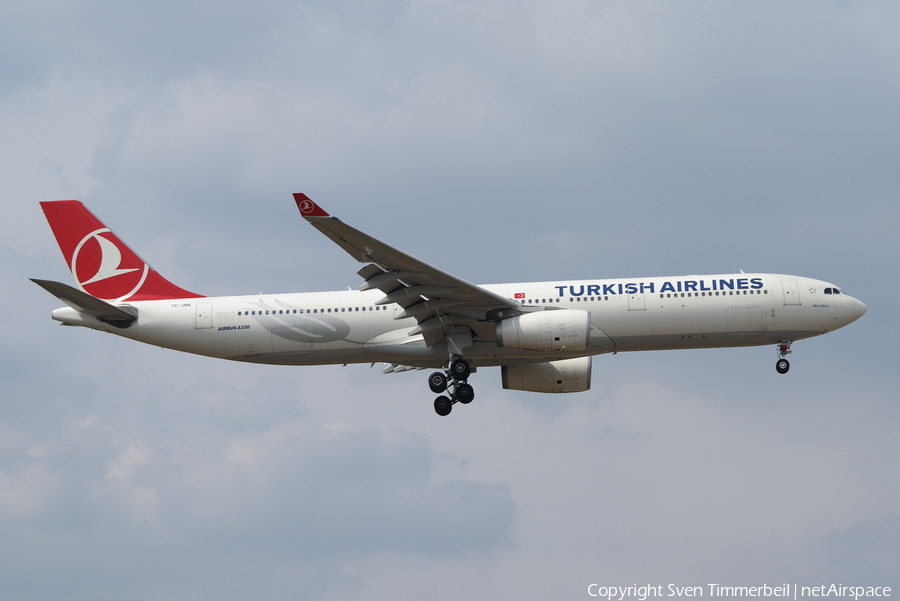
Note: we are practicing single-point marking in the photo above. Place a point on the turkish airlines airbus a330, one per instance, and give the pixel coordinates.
(414, 316)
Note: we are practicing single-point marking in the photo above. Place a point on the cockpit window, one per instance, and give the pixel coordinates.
(834, 291)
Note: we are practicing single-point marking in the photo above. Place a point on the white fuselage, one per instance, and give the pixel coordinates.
(626, 315)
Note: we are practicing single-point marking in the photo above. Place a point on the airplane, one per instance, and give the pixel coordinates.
(412, 315)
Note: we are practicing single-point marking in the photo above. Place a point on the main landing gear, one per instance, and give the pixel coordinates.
(454, 380)
(784, 349)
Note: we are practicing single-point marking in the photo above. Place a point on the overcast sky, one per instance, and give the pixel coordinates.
(501, 141)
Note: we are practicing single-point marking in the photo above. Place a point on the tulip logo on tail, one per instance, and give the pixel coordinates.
(99, 269)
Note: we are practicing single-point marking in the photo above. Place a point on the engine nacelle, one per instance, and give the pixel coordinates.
(566, 330)
(565, 375)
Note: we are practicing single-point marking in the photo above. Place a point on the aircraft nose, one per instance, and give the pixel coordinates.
(859, 309)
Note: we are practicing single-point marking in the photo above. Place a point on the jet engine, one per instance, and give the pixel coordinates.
(566, 330)
(565, 375)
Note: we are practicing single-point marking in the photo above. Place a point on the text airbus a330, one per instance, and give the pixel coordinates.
(415, 316)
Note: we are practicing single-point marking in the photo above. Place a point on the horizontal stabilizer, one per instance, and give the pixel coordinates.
(87, 304)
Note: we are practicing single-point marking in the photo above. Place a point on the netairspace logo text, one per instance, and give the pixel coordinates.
(785, 591)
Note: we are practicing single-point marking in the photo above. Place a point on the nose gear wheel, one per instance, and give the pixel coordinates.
(784, 349)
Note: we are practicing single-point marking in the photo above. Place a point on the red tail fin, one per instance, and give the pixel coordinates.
(103, 265)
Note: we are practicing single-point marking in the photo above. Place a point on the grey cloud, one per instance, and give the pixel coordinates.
(297, 490)
(862, 553)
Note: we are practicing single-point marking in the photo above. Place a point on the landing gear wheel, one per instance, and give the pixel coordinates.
(782, 366)
(459, 369)
(443, 405)
(464, 393)
(437, 382)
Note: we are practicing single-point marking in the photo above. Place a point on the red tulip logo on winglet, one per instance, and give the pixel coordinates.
(307, 207)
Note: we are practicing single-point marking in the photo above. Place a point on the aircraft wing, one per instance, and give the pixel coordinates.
(442, 304)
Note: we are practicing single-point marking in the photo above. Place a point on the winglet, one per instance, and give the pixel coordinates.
(307, 207)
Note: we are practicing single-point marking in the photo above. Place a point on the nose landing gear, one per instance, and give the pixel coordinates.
(454, 380)
(783, 365)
